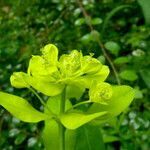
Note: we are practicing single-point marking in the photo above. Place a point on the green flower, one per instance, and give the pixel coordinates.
(100, 92)
(49, 75)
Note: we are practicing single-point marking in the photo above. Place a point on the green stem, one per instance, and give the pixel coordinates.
(81, 103)
(36, 94)
(40, 99)
(61, 127)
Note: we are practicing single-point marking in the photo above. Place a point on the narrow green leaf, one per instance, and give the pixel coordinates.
(20, 108)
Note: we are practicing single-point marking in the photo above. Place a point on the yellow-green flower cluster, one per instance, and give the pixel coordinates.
(49, 74)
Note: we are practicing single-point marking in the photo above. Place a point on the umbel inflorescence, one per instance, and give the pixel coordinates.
(49, 74)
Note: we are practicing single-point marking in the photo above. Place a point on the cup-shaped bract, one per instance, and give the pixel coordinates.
(70, 64)
(90, 65)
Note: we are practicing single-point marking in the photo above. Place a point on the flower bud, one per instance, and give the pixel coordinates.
(19, 80)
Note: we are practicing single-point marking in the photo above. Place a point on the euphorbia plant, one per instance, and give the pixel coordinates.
(67, 123)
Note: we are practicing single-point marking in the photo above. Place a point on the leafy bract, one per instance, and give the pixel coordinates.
(20, 108)
(47, 88)
(50, 54)
(120, 100)
(45, 64)
(75, 119)
(90, 65)
(86, 80)
(20, 80)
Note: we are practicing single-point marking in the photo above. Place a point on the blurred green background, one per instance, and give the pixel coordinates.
(122, 27)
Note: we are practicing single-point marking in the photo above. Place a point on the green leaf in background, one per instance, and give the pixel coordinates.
(121, 60)
(145, 4)
(80, 21)
(112, 47)
(20, 108)
(96, 21)
(145, 74)
(129, 75)
(92, 36)
(120, 100)
(110, 138)
(102, 59)
(75, 119)
(138, 93)
(20, 138)
(89, 138)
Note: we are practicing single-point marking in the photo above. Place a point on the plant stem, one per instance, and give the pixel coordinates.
(36, 94)
(99, 42)
(61, 127)
(41, 100)
(79, 104)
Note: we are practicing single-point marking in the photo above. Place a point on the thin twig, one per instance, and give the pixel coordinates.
(101, 45)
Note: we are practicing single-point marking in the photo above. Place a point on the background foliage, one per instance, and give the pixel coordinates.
(123, 28)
